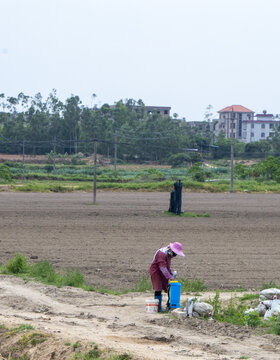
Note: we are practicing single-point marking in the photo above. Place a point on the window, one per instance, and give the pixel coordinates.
(252, 126)
(271, 134)
(262, 135)
(271, 126)
(165, 112)
(263, 126)
(252, 135)
(240, 126)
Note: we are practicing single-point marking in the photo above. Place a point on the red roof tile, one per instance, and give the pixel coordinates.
(236, 108)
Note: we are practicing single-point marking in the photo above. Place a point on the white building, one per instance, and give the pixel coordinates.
(232, 120)
(246, 127)
(261, 128)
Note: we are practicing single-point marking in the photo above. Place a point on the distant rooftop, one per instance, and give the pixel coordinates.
(264, 114)
(236, 108)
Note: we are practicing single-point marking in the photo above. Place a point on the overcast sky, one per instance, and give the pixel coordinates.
(180, 53)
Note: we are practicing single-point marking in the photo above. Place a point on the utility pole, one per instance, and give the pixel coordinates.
(23, 163)
(54, 153)
(115, 153)
(231, 153)
(94, 171)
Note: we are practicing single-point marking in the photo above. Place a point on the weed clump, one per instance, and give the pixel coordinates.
(43, 270)
(253, 319)
(17, 265)
(274, 325)
(73, 278)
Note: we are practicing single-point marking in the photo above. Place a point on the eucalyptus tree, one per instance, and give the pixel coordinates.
(37, 123)
(72, 116)
(55, 126)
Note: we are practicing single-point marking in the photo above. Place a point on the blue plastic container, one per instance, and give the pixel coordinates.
(174, 294)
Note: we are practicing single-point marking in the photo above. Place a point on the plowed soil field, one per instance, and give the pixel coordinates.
(113, 242)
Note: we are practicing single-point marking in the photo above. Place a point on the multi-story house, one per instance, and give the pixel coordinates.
(162, 110)
(261, 128)
(241, 123)
(232, 120)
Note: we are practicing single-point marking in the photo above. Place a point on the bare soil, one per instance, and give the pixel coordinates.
(113, 244)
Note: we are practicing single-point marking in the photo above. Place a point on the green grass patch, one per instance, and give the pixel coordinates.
(187, 214)
(76, 345)
(20, 328)
(72, 184)
(41, 178)
(192, 285)
(273, 325)
(269, 285)
(250, 297)
(37, 338)
(44, 272)
(143, 284)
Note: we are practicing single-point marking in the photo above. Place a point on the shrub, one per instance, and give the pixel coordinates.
(183, 159)
(5, 173)
(17, 265)
(196, 173)
(241, 171)
(198, 176)
(48, 168)
(177, 160)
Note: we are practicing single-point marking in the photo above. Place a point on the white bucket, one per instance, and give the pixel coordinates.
(152, 305)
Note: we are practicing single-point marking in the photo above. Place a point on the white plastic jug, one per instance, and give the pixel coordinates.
(152, 305)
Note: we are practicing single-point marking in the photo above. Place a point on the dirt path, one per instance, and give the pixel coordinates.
(121, 323)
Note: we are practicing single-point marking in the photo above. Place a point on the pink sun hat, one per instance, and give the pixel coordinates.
(177, 248)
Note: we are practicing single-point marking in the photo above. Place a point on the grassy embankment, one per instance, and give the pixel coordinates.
(69, 178)
(24, 341)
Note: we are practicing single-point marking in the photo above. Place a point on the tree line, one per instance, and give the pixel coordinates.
(44, 125)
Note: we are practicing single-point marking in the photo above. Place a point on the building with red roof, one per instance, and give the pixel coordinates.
(239, 122)
(231, 120)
